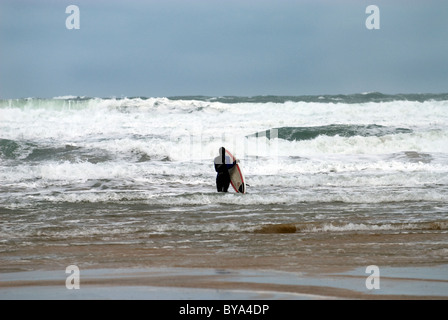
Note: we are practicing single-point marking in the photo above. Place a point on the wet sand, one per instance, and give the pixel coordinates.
(319, 270)
(228, 284)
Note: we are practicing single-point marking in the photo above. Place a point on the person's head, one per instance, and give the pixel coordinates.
(222, 151)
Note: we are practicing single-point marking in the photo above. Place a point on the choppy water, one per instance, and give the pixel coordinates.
(139, 171)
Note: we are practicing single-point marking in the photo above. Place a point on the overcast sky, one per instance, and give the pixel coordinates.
(221, 47)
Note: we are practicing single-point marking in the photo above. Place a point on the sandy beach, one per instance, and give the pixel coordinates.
(126, 272)
(218, 284)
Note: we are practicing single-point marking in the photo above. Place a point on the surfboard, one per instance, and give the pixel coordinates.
(236, 176)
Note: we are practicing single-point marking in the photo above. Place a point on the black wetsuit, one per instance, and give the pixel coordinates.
(222, 166)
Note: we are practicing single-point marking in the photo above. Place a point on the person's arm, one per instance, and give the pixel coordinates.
(231, 165)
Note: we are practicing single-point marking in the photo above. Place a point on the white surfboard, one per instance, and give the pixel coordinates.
(236, 176)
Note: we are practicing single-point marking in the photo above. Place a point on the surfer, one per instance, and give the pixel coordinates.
(222, 167)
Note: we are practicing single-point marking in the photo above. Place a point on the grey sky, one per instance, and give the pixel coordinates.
(217, 47)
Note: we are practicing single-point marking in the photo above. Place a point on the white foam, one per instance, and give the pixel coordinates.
(50, 117)
(173, 137)
(67, 97)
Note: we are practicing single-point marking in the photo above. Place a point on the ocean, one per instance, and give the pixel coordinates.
(333, 181)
